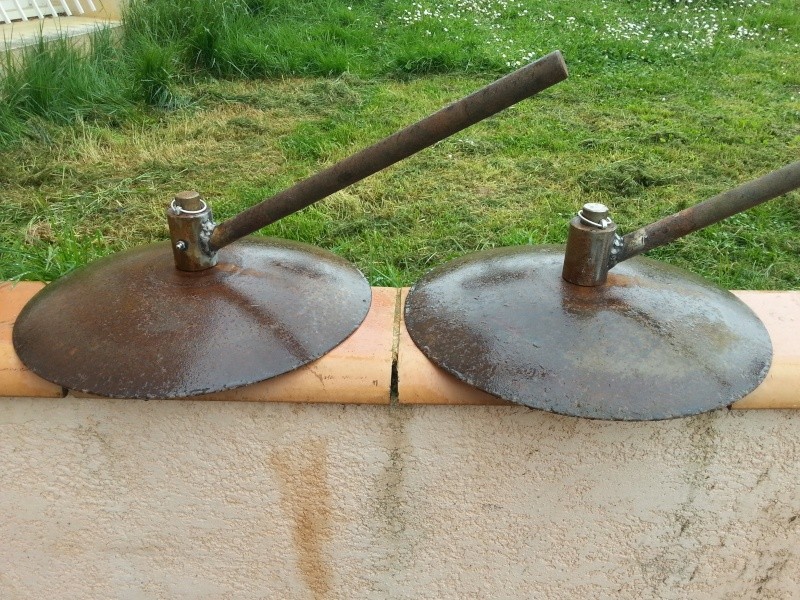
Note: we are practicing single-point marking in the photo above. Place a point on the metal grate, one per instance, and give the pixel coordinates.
(24, 10)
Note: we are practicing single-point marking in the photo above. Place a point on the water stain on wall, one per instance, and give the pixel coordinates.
(306, 496)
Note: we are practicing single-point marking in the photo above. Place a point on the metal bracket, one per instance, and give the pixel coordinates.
(190, 227)
(592, 235)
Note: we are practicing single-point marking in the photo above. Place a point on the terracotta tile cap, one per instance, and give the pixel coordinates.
(360, 369)
(780, 313)
(15, 378)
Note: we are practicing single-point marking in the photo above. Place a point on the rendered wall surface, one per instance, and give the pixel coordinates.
(193, 499)
(106, 9)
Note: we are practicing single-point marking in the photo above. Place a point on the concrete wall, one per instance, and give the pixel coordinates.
(192, 499)
(106, 9)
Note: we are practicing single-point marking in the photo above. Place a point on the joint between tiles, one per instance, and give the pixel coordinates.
(394, 396)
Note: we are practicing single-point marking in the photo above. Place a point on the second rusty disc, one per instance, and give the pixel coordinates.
(654, 342)
(133, 326)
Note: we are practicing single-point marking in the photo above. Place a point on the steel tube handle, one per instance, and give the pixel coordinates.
(501, 94)
(710, 211)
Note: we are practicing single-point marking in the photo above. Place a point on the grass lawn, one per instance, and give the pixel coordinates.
(667, 104)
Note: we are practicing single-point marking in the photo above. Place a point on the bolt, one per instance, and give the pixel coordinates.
(181, 245)
(594, 211)
(188, 201)
(595, 214)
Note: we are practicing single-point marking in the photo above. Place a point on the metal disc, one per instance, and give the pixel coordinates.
(655, 342)
(133, 326)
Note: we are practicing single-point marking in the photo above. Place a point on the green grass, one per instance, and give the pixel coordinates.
(650, 121)
(60, 83)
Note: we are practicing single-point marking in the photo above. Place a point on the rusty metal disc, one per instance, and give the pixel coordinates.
(655, 342)
(133, 326)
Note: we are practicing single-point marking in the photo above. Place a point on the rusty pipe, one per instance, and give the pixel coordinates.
(501, 94)
(593, 247)
(710, 211)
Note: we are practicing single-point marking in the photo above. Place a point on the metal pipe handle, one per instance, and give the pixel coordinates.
(501, 94)
(710, 211)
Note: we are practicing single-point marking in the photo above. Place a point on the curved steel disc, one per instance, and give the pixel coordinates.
(655, 342)
(133, 326)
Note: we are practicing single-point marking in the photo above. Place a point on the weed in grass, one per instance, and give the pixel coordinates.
(56, 81)
(155, 75)
(11, 126)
